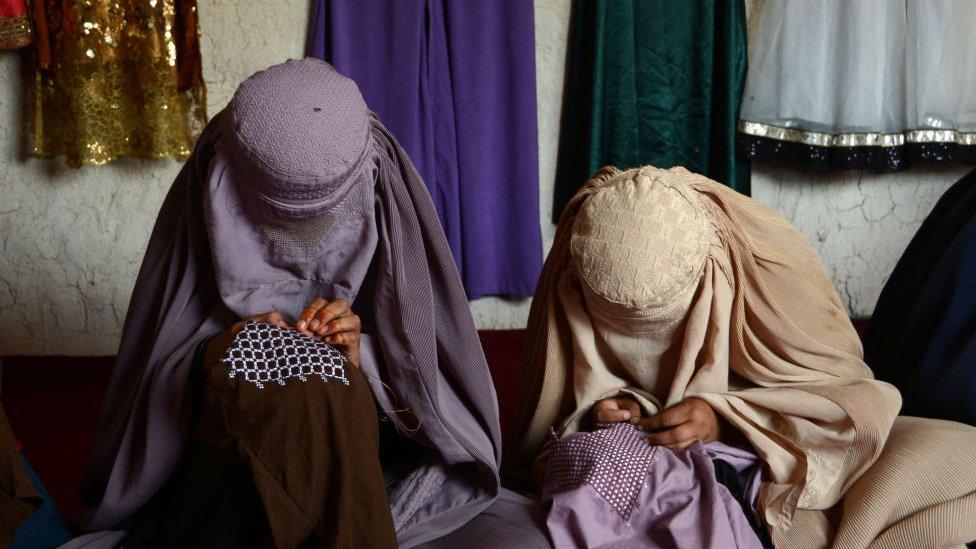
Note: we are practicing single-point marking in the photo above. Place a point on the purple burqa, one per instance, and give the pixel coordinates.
(454, 81)
(296, 190)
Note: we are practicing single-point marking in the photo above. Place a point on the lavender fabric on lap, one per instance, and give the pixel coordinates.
(610, 488)
(264, 353)
(613, 461)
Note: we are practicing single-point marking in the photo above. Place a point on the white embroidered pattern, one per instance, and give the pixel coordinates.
(614, 461)
(814, 488)
(264, 353)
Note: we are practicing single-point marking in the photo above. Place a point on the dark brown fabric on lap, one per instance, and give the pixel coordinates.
(312, 449)
(210, 502)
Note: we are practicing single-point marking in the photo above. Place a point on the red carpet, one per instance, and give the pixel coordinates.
(53, 405)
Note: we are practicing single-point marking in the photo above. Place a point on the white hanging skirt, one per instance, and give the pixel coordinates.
(865, 84)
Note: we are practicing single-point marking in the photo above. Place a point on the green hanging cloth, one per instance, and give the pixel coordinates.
(653, 82)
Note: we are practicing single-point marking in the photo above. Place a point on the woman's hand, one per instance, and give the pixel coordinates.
(683, 424)
(219, 344)
(334, 323)
(616, 410)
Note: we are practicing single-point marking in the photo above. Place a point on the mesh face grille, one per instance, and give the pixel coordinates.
(299, 237)
(639, 244)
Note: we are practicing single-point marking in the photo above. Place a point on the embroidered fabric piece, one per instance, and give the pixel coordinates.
(614, 461)
(264, 353)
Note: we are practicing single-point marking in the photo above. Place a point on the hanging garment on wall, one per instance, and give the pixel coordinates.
(455, 83)
(116, 79)
(652, 82)
(15, 28)
(873, 84)
(921, 336)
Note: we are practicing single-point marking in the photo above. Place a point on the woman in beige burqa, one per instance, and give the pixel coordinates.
(677, 312)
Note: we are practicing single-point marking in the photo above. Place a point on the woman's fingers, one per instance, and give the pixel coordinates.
(270, 317)
(347, 339)
(319, 313)
(603, 410)
(682, 445)
(631, 406)
(670, 417)
(343, 324)
(682, 425)
(615, 410)
(681, 435)
(274, 317)
(612, 416)
(305, 319)
(330, 312)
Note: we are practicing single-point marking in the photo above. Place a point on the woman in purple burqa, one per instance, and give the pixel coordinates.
(454, 81)
(297, 202)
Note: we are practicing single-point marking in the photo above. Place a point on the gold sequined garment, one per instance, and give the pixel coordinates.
(116, 78)
(15, 29)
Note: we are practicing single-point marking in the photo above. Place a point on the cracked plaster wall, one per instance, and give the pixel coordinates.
(71, 241)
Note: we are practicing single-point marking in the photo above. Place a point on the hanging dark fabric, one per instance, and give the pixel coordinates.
(454, 81)
(921, 335)
(652, 82)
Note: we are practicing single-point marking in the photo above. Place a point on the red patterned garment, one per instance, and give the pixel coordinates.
(15, 28)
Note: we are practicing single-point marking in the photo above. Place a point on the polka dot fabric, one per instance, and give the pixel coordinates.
(264, 353)
(613, 460)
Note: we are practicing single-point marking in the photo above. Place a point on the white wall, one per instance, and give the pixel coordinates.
(71, 240)
(859, 222)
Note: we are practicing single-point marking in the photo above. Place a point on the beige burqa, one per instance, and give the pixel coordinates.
(663, 285)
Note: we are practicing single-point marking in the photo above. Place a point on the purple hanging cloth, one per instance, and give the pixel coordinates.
(454, 81)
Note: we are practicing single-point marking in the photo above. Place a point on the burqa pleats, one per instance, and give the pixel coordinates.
(454, 81)
(652, 82)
